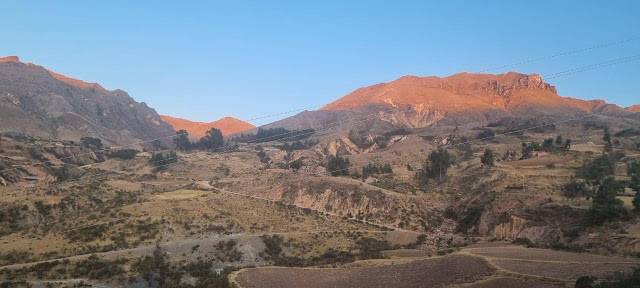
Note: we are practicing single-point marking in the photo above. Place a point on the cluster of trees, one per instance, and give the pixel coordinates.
(338, 165)
(486, 134)
(599, 175)
(212, 140)
(264, 158)
(91, 142)
(297, 145)
(528, 149)
(376, 169)
(560, 144)
(158, 270)
(160, 159)
(274, 134)
(435, 167)
(125, 154)
(576, 188)
(509, 155)
(548, 145)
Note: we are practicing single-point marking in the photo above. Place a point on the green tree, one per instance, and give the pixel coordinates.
(633, 170)
(296, 164)
(605, 206)
(436, 166)
(608, 147)
(91, 142)
(528, 149)
(487, 158)
(160, 160)
(567, 144)
(559, 140)
(212, 140)
(181, 141)
(62, 173)
(157, 145)
(598, 169)
(486, 134)
(338, 165)
(547, 145)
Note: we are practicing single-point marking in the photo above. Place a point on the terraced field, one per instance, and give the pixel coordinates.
(435, 272)
(496, 265)
(553, 264)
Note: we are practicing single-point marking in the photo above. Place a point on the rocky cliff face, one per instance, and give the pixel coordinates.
(39, 102)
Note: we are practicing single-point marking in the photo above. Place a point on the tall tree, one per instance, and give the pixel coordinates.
(212, 140)
(607, 140)
(605, 205)
(338, 165)
(436, 165)
(487, 158)
(633, 170)
(182, 140)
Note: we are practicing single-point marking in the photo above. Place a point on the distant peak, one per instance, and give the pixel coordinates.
(227, 125)
(634, 108)
(453, 93)
(10, 59)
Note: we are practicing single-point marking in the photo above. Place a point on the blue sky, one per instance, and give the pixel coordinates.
(206, 60)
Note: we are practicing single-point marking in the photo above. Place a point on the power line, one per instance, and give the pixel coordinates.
(560, 54)
(549, 76)
(594, 66)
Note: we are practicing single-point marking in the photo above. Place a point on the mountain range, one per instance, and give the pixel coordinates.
(40, 102)
(416, 102)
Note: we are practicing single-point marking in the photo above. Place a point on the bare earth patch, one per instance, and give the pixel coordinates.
(181, 194)
(436, 272)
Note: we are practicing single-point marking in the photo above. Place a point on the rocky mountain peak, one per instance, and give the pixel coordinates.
(10, 59)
